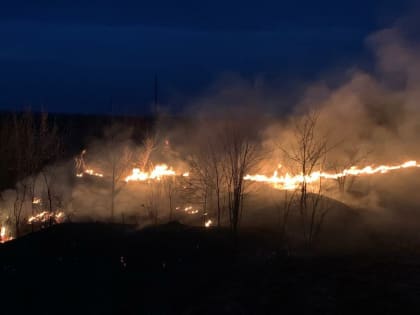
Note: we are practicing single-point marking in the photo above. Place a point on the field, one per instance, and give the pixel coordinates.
(120, 222)
(97, 268)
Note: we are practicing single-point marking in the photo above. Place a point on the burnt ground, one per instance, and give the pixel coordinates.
(96, 268)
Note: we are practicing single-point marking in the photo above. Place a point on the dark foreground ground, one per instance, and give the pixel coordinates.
(97, 268)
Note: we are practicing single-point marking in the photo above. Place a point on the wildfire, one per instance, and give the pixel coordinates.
(208, 223)
(190, 210)
(290, 182)
(3, 235)
(93, 173)
(81, 167)
(90, 172)
(157, 173)
(287, 181)
(45, 216)
(160, 171)
(36, 201)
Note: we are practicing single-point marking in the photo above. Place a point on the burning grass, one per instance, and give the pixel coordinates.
(292, 182)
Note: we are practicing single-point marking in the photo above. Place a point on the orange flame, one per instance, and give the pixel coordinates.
(290, 182)
(3, 235)
(190, 210)
(44, 216)
(157, 173)
(90, 172)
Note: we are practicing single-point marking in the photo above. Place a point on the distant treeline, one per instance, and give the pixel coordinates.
(24, 133)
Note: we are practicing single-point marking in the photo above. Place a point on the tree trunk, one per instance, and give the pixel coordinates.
(219, 210)
(170, 207)
(113, 192)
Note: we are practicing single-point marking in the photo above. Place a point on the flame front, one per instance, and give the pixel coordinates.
(157, 173)
(290, 182)
(45, 216)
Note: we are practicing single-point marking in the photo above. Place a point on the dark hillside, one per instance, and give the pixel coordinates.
(96, 268)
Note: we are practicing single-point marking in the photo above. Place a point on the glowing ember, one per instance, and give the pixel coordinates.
(36, 201)
(190, 210)
(289, 182)
(157, 173)
(90, 172)
(208, 223)
(45, 216)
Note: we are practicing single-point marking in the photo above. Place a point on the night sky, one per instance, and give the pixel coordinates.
(83, 56)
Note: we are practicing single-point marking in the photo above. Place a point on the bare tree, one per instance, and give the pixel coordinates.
(49, 150)
(350, 156)
(153, 203)
(6, 150)
(171, 189)
(207, 180)
(114, 158)
(218, 163)
(24, 145)
(35, 144)
(119, 162)
(284, 208)
(241, 155)
(198, 184)
(51, 193)
(146, 150)
(217, 179)
(308, 151)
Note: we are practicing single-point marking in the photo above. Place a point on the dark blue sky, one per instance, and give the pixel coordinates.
(79, 56)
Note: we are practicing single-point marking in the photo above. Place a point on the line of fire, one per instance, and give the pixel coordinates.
(211, 184)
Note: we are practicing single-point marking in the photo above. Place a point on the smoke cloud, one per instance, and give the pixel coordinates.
(368, 118)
